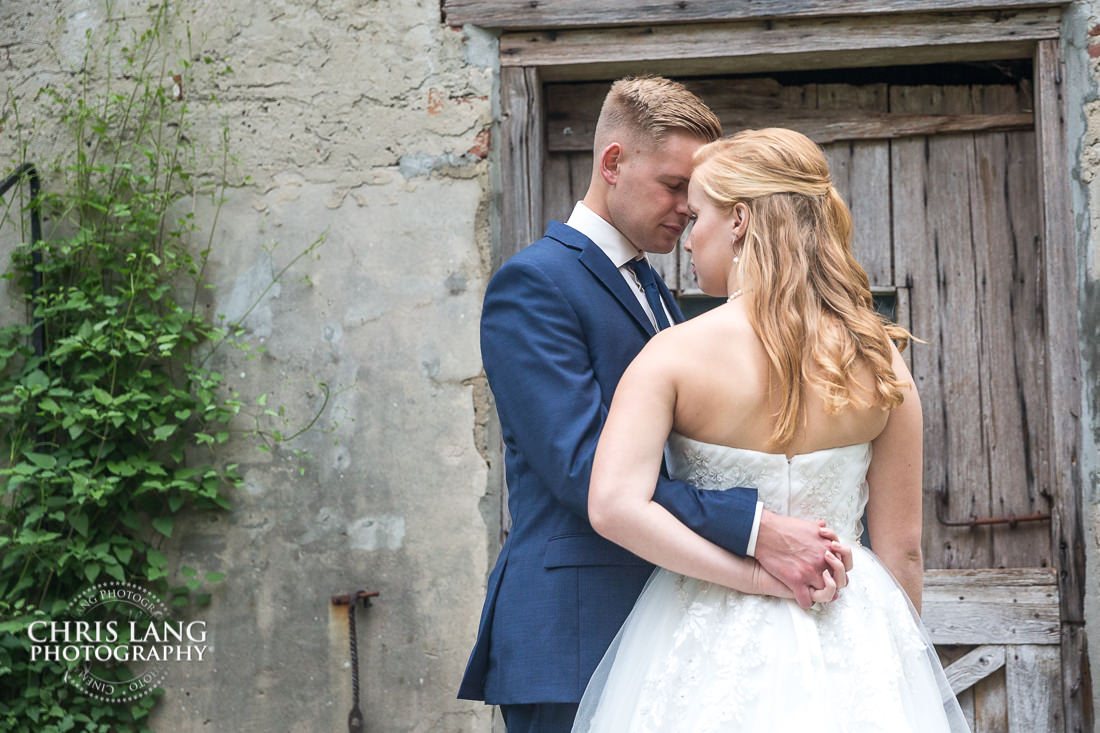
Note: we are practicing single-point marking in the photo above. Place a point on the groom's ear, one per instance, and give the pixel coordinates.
(610, 160)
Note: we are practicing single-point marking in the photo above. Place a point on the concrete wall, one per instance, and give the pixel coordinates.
(1081, 44)
(368, 122)
(372, 123)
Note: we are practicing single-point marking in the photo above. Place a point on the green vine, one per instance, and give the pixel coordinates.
(113, 430)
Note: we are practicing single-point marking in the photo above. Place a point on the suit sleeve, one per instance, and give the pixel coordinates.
(551, 409)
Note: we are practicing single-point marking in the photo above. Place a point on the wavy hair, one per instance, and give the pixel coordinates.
(812, 307)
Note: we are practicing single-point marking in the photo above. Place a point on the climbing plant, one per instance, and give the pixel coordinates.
(112, 428)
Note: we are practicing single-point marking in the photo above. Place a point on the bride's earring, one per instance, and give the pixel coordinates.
(736, 263)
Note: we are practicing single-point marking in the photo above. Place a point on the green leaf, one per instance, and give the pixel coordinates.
(163, 432)
(102, 396)
(121, 468)
(188, 572)
(41, 460)
(116, 572)
(163, 525)
(80, 524)
(36, 381)
(91, 571)
(156, 558)
(214, 577)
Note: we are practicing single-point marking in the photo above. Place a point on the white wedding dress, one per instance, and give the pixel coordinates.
(694, 656)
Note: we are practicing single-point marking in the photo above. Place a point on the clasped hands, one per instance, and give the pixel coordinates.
(804, 556)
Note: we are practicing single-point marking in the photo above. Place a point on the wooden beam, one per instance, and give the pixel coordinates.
(975, 666)
(1060, 303)
(521, 161)
(775, 39)
(991, 606)
(764, 63)
(509, 14)
(827, 128)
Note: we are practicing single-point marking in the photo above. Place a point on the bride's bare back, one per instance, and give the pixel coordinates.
(725, 393)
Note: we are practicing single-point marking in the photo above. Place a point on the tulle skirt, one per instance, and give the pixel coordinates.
(693, 656)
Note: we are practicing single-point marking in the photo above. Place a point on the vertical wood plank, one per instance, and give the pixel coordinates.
(861, 174)
(990, 705)
(904, 317)
(521, 160)
(1064, 381)
(1028, 314)
(966, 702)
(557, 188)
(913, 270)
(1005, 209)
(1033, 687)
(580, 176)
(934, 253)
(869, 202)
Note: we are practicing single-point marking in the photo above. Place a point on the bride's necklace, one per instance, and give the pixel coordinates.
(736, 294)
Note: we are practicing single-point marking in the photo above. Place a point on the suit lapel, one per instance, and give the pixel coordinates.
(597, 263)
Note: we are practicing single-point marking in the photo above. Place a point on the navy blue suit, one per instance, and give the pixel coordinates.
(558, 329)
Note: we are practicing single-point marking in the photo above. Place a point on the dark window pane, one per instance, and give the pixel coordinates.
(694, 305)
(885, 303)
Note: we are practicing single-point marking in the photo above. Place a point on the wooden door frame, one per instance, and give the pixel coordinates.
(800, 34)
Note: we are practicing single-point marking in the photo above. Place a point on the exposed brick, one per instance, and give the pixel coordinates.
(435, 101)
(481, 146)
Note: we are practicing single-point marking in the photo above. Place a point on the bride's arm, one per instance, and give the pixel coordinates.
(894, 482)
(624, 474)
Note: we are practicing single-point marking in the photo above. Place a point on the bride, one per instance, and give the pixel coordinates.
(795, 387)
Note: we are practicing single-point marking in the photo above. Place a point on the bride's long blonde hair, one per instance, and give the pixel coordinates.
(811, 303)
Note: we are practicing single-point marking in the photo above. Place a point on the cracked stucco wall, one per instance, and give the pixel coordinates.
(369, 123)
(1081, 53)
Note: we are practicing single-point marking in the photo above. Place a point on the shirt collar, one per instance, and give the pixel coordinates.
(605, 236)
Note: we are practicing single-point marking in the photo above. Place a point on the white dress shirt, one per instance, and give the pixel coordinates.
(617, 248)
(620, 251)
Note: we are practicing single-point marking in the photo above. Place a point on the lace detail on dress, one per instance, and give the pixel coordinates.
(828, 490)
(695, 467)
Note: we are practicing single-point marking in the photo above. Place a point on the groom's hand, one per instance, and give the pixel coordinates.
(793, 550)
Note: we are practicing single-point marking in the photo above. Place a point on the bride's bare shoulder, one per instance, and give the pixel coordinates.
(704, 337)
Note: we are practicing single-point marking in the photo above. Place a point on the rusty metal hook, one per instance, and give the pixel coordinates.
(1012, 520)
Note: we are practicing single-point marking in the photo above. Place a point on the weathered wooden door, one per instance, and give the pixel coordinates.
(943, 183)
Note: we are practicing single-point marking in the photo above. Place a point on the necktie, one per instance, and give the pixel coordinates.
(648, 281)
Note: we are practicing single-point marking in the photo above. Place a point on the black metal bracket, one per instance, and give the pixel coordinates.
(355, 717)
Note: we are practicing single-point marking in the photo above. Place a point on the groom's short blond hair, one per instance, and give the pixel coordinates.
(651, 107)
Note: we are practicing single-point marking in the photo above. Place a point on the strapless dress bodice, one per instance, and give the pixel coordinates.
(829, 484)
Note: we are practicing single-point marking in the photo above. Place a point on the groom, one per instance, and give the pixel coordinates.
(561, 322)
